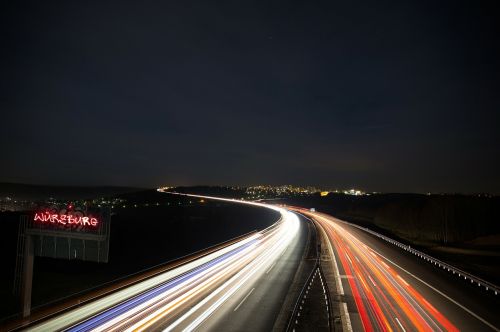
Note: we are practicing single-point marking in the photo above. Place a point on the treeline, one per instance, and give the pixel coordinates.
(423, 219)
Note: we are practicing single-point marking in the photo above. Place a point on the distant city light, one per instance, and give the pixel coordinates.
(354, 192)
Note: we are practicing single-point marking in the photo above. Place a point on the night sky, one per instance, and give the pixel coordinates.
(400, 96)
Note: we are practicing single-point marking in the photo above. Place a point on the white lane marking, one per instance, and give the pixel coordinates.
(373, 282)
(244, 299)
(347, 318)
(270, 268)
(443, 294)
(387, 266)
(346, 255)
(400, 325)
(404, 281)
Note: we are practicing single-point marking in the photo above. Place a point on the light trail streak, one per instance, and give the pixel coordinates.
(384, 300)
(183, 298)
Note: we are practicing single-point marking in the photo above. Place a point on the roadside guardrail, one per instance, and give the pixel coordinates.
(488, 286)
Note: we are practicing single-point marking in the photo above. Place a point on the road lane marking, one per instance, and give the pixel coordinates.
(244, 299)
(346, 317)
(373, 282)
(404, 281)
(284, 250)
(346, 255)
(387, 266)
(271, 268)
(400, 325)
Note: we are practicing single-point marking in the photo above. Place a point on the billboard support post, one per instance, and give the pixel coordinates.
(27, 277)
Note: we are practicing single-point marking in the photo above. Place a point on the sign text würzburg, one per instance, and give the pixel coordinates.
(65, 219)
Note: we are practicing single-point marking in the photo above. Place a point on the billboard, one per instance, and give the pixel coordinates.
(70, 233)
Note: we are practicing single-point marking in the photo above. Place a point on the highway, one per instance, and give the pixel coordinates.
(224, 290)
(384, 288)
(249, 284)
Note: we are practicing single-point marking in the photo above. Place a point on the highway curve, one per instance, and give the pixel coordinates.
(241, 286)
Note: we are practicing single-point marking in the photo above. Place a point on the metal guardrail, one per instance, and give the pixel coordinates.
(488, 286)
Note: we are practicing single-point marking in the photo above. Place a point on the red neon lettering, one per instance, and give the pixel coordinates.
(65, 219)
(71, 219)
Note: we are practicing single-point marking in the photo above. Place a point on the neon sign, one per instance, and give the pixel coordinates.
(65, 219)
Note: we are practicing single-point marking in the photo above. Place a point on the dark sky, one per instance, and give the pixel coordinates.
(400, 96)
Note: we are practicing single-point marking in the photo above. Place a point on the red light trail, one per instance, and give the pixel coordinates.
(384, 300)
